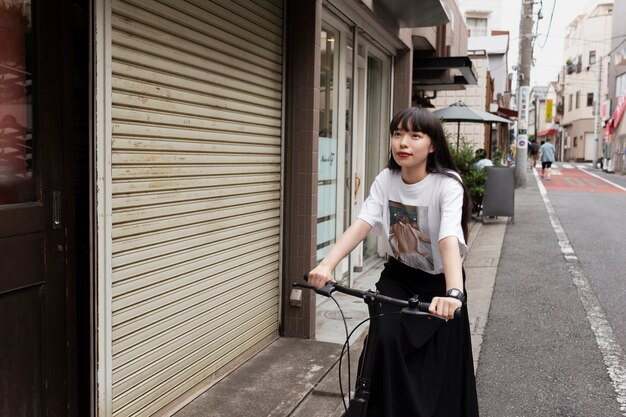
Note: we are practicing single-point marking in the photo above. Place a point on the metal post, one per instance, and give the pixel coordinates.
(596, 111)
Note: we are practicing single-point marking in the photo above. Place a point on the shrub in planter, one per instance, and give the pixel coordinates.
(474, 178)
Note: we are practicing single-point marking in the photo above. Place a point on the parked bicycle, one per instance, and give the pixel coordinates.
(357, 406)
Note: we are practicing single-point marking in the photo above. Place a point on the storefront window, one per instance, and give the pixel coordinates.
(327, 150)
(16, 87)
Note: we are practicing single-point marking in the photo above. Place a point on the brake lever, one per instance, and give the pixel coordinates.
(326, 290)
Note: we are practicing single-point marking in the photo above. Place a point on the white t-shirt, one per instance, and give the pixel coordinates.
(414, 217)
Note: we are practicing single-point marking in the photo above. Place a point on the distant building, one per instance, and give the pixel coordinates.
(550, 118)
(488, 48)
(582, 75)
(537, 104)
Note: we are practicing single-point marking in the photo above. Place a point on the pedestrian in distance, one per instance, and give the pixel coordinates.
(424, 367)
(547, 152)
(533, 152)
(481, 159)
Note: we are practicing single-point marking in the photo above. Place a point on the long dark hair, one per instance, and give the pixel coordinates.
(418, 119)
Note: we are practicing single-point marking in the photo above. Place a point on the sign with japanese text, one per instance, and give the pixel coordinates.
(522, 121)
(549, 110)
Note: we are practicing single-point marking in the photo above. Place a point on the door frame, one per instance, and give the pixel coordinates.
(360, 131)
(363, 47)
(102, 199)
(344, 32)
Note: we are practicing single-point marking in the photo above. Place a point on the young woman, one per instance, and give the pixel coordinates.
(424, 366)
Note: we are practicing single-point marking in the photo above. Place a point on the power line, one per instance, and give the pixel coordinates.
(579, 39)
(618, 45)
(533, 36)
(549, 25)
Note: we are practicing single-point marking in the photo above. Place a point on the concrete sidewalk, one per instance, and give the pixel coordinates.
(298, 377)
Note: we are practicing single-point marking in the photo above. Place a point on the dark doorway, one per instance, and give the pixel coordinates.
(81, 173)
(44, 208)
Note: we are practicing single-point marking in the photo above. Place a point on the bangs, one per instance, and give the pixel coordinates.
(415, 119)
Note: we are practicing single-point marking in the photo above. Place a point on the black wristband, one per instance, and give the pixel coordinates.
(456, 293)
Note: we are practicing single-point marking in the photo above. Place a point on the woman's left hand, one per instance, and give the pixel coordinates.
(444, 307)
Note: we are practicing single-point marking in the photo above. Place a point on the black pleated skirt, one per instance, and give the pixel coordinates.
(423, 366)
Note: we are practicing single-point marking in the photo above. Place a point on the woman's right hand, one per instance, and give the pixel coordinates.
(319, 276)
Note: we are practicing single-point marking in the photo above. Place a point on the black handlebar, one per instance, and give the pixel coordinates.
(410, 306)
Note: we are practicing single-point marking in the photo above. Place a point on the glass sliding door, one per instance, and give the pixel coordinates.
(328, 142)
(335, 136)
(353, 141)
(375, 134)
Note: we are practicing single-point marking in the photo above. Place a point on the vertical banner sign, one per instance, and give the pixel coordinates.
(549, 110)
(522, 121)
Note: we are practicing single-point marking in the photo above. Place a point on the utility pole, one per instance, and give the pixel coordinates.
(523, 92)
(596, 111)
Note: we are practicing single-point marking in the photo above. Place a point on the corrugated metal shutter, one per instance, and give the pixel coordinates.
(196, 148)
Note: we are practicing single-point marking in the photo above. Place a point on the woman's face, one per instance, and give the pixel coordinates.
(410, 149)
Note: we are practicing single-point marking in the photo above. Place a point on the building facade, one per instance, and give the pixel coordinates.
(583, 85)
(615, 145)
(488, 47)
(168, 169)
(476, 96)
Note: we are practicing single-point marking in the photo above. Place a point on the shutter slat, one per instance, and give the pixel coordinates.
(120, 114)
(139, 233)
(196, 81)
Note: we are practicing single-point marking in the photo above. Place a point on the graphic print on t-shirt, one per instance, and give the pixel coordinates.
(407, 237)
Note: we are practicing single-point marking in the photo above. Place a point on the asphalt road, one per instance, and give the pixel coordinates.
(542, 353)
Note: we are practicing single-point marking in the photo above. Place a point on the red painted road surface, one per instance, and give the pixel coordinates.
(572, 179)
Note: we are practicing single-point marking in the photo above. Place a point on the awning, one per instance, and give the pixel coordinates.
(416, 13)
(619, 111)
(433, 73)
(546, 133)
(510, 113)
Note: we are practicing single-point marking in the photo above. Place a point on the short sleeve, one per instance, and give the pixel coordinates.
(451, 204)
(372, 209)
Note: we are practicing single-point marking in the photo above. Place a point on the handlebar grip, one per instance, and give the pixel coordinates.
(424, 306)
(326, 290)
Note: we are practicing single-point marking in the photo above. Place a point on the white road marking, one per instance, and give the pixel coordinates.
(605, 180)
(611, 350)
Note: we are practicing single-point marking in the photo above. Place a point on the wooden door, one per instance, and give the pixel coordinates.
(33, 333)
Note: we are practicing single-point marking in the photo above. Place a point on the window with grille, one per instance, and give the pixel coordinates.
(477, 26)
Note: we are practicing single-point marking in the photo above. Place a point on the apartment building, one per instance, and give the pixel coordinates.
(587, 42)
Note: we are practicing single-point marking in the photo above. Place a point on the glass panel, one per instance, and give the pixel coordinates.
(16, 122)
(327, 151)
(348, 138)
(372, 136)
